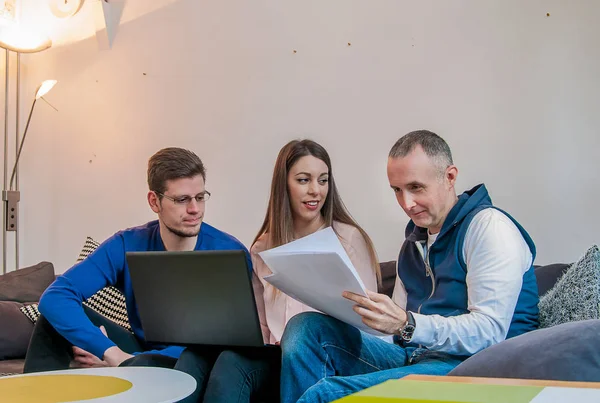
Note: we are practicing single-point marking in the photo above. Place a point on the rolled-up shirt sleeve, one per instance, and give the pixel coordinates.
(497, 257)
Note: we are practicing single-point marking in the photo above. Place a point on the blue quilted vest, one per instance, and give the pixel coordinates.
(449, 297)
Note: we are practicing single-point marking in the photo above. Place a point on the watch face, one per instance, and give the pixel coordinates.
(64, 8)
(407, 332)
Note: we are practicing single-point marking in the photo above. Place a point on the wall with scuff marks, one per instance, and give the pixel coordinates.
(513, 87)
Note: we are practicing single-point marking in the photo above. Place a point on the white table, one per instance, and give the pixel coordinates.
(147, 384)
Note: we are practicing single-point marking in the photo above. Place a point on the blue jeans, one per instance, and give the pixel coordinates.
(324, 359)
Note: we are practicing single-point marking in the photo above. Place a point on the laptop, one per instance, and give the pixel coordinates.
(195, 298)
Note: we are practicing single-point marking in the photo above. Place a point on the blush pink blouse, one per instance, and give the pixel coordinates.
(275, 309)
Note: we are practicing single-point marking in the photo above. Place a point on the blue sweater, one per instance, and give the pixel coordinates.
(450, 296)
(61, 302)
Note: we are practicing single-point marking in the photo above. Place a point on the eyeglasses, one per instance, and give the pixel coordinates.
(185, 200)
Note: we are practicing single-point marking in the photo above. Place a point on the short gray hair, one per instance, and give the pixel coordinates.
(433, 145)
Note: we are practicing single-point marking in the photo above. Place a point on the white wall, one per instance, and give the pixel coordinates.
(514, 92)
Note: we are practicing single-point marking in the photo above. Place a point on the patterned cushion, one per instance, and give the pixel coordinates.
(109, 301)
(31, 311)
(576, 295)
(88, 247)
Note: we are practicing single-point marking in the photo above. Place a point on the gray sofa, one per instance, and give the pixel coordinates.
(565, 347)
(546, 276)
(19, 288)
(26, 286)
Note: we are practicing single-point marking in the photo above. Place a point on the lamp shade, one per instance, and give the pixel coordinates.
(44, 88)
(20, 40)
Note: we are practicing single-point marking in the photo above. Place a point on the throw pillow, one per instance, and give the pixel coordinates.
(89, 246)
(548, 275)
(109, 301)
(576, 295)
(15, 331)
(28, 284)
(31, 312)
(567, 352)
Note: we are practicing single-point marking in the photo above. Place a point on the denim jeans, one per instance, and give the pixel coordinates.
(324, 359)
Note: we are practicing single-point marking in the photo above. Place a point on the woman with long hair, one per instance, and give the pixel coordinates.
(304, 199)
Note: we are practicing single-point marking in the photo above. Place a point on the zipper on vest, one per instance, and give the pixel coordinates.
(428, 273)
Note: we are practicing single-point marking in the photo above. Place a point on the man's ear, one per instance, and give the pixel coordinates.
(154, 202)
(451, 175)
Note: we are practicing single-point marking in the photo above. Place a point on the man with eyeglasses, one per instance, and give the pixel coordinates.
(67, 330)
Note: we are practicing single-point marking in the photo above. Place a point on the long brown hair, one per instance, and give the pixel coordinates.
(279, 222)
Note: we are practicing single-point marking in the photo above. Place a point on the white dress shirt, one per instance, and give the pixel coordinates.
(497, 257)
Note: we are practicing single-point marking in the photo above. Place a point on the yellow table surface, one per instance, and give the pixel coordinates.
(60, 388)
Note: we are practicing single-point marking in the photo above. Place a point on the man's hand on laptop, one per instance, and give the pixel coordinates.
(378, 311)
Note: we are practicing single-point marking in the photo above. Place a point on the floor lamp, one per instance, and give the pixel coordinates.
(15, 40)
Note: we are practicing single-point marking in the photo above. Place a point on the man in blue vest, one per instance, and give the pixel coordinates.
(465, 281)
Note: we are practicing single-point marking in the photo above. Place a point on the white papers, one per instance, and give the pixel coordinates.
(552, 394)
(316, 270)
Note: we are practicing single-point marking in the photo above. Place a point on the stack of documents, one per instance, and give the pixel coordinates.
(316, 270)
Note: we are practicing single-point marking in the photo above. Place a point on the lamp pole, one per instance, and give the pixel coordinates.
(17, 150)
(11, 40)
(4, 216)
(12, 197)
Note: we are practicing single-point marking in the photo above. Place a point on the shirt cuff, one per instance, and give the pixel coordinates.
(99, 346)
(424, 330)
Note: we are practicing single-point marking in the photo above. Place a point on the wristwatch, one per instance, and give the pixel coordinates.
(407, 331)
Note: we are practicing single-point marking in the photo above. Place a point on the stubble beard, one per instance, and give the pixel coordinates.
(182, 234)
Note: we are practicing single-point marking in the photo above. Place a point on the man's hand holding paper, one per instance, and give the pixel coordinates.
(378, 311)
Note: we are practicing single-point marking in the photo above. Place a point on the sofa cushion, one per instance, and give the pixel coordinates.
(31, 311)
(89, 246)
(388, 277)
(548, 275)
(15, 331)
(109, 301)
(567, 352)
(576, 295)
(12, 367)
(28, 284)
